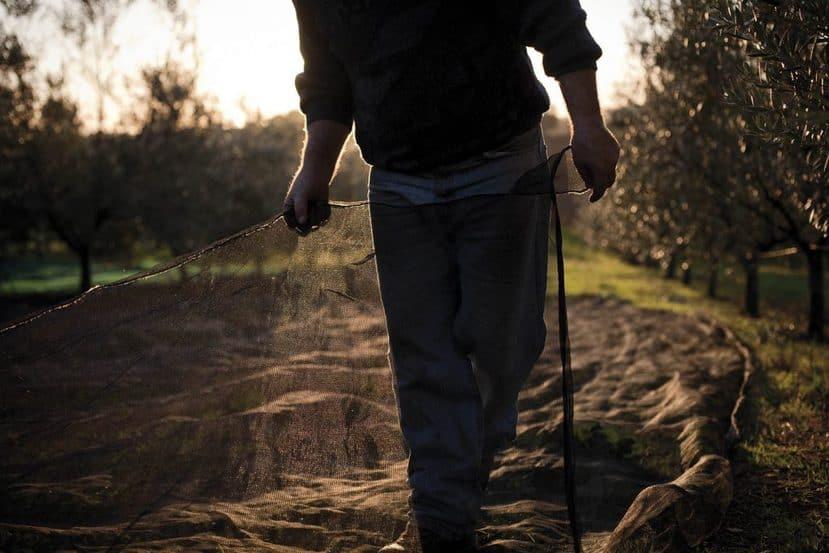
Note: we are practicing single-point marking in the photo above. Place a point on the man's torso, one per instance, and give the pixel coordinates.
(433, 82)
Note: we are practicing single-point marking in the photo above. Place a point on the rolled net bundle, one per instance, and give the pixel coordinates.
(240, 397)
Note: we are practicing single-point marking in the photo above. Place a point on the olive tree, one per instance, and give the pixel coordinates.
(781, 88)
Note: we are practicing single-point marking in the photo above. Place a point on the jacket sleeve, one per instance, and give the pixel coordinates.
(323, 86)
(557, 29)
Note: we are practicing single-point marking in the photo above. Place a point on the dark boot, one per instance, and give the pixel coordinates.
(414, 540)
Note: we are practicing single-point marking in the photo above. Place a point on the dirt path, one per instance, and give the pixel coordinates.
(233, 449)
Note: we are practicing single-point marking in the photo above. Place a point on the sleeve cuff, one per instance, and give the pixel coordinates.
(576, 51)
(572, 68)
(328, 110)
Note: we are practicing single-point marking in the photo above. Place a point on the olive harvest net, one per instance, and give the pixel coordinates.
(239, 398)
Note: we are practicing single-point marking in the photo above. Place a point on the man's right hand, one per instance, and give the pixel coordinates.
(323, 144)
(306, 189)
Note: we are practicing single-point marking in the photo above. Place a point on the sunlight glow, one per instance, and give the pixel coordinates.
(249, 54)
(255, 59)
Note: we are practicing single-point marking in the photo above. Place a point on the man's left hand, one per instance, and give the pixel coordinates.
(595, 155)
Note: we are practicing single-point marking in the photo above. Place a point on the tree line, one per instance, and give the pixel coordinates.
(173, 176)
(726, 149)
(727, 152)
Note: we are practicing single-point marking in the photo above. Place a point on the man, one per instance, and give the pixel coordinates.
(447, 108)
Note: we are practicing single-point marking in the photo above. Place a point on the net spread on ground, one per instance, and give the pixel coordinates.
(240, 397)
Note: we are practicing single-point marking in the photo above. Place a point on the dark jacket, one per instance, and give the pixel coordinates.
(432, 82)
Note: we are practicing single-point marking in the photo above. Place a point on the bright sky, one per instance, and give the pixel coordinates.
(250, 51)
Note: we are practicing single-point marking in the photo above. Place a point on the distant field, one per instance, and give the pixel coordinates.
(59, 276)
(783, 292)
(591, 271)
(29, 285)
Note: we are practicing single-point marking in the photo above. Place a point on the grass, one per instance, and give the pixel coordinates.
(57, 276)
(60, 276)
(781, 498)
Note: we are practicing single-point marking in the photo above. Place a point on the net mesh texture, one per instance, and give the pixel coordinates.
(240, 398)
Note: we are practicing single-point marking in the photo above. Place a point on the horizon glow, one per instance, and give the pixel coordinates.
(249, 55)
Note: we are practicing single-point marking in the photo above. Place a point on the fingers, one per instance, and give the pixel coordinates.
(316, 215)
(598, 193)
(319, 213)
(289, 216)
(301, 210)
(599, 186)
(293, 209)
(586, 173)
(306, 204)
(612, 179)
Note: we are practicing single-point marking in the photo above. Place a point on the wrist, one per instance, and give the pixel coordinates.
(316, 175)
(582, 99)
(587, 121)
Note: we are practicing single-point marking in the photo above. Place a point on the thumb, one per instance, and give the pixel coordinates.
(585, 171)
(598, 193)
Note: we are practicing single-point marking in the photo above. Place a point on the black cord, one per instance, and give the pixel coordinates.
(566, 370)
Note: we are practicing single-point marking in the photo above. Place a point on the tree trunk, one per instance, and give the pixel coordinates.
(686, 274)
(752, 290)
(670, 270)
(814, 259)
(713, 276)
(86, 268)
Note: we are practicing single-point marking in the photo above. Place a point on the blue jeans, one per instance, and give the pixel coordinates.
(463, 285)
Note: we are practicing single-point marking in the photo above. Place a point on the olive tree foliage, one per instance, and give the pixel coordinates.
(84, 34)
(169, 189)
(681, 193)
(698, 181)
(66, 179)
(64, 188)
(782, 88)
(783, 84)
(152, 167)
(17, 106)
(256, 163)
(195, 180)
(45, 183)
(19, 8)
